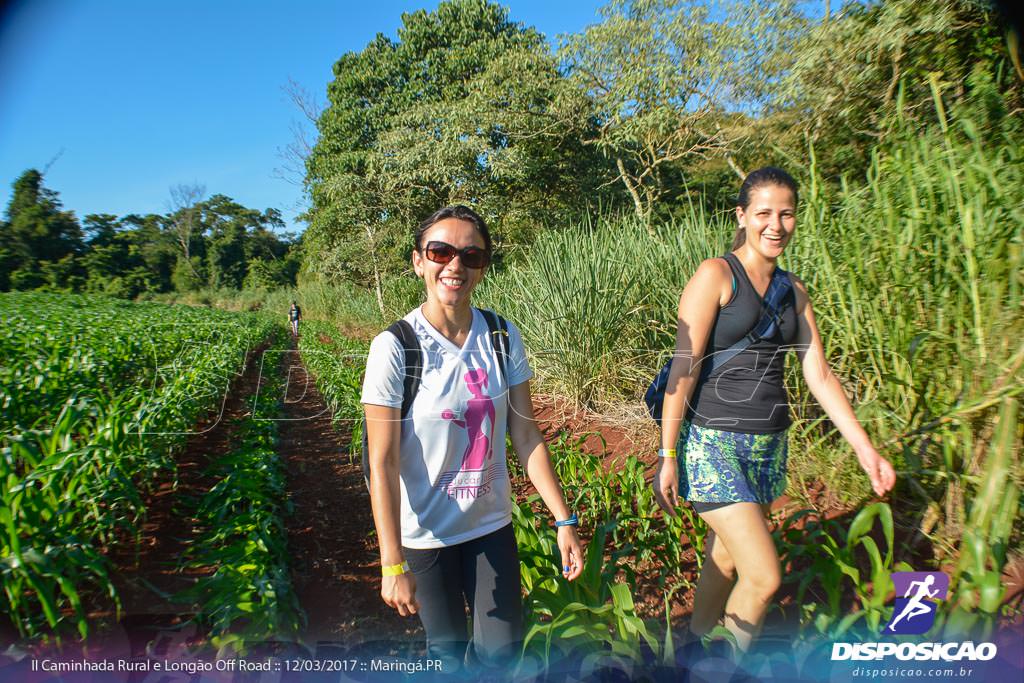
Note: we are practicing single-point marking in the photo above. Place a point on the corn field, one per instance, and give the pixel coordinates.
(96, 395)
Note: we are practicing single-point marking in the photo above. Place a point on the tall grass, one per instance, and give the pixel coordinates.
(596, 301)
(916, 278)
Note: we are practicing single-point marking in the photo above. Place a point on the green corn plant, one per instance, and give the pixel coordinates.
(76, 457)
(59, 346)
(976, 587)
(823, 556)
(248, 598)
(337, 365)
(593, 617)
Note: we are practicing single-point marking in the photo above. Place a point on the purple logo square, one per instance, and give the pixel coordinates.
(916, 593)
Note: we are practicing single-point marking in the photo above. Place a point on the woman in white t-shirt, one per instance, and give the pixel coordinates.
(439, 484)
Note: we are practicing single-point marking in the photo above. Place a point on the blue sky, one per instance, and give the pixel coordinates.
(138, 96)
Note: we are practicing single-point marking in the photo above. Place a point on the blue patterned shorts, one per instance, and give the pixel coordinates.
(731, 467)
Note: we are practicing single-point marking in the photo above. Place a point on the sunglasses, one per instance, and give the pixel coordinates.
(442, 252)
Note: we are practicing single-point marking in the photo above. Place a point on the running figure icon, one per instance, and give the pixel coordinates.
(916, 606)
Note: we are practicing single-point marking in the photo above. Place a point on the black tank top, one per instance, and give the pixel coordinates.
(746, 394)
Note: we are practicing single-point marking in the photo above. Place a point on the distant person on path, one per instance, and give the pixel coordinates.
(731, 437)
(294, 316)
(439, 485)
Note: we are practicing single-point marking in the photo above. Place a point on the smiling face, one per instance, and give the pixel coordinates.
(449, 284)
(769, 219)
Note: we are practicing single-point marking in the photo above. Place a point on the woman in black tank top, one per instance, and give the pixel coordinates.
(731, 437)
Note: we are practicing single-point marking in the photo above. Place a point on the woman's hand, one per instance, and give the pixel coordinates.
(666, 485)
(400, 592)
(571, 550)
(878, 469)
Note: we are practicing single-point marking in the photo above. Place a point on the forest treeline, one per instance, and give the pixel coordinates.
(199, 244)
(654, 111)
(659, 107)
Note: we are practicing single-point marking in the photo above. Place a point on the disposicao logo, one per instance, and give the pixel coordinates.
(914, 613)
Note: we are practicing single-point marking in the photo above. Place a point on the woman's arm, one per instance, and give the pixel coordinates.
(825, 387)
(383, 435)
(533, 455)
(705, 293)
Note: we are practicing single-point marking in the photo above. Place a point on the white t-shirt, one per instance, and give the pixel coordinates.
(452, 473)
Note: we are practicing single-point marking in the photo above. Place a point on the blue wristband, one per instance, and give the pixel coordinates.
(572, 521)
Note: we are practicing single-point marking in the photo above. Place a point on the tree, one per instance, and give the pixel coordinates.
(42, 246)
(664, 74)
(867, 67)
(295, 154)
(466, 106)
(183, 211)
(234, 236)
(188, 276)
(39, 242)
(155, 249)
(107, 254)
(100, 229)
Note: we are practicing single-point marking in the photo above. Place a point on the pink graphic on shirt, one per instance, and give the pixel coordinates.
(477, 408)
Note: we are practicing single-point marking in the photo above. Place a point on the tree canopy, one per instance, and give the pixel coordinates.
(657, 105)
(465, 106)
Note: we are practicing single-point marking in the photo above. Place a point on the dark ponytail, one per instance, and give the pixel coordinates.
(767, 175)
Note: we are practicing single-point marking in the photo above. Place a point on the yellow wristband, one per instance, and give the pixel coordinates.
(394, 569)
(666, 452)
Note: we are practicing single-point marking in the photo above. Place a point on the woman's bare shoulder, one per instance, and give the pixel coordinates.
(713, 275)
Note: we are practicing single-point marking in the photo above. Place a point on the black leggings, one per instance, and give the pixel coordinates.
(483, 572)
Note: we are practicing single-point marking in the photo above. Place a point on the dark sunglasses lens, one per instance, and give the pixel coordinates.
(439, 252)
(474, 258)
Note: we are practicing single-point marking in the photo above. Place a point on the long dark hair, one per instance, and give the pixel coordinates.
(459, 211)
(766, 175)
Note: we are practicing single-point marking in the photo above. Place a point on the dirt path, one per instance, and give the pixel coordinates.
(335, 562)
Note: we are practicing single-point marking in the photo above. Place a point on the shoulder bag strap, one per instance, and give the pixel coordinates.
(413, 362)
(497, 329)
(774, 305)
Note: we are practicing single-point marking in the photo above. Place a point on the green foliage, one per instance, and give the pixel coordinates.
(916, 282)
(42, 247)
(91, 412)
(915, 278)
(660, 75)
(465, 106)
(822, 557)
(231, 240)
(188, 275)
(853, 74)
(977, 582)
(38, 241)
(337, 365)
(592, 618)
(596, 304)
(248, 599)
